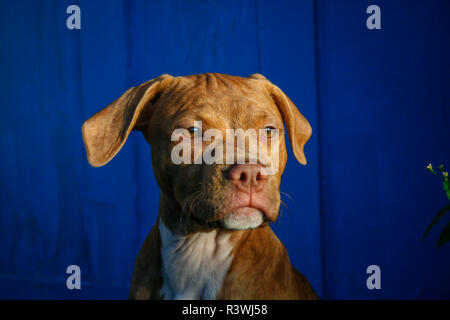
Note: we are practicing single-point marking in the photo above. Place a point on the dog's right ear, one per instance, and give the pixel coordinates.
(105, 133)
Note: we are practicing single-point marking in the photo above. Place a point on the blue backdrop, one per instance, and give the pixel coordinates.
(378, 102)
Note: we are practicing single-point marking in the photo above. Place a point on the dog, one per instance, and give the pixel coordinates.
(212, 238)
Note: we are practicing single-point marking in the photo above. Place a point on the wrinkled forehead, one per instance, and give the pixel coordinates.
(218, 100)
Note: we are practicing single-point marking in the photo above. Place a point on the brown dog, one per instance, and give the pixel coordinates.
(212, 239)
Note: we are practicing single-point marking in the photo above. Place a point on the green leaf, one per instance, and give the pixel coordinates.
(445, 236)
(446, 188)
(436, 219)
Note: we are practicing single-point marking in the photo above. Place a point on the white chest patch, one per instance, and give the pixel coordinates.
(194, 267)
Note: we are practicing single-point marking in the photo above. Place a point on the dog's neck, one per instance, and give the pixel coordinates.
(195, 258)
(194, 266)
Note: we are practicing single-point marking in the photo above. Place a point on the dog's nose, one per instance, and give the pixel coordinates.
(247, 177)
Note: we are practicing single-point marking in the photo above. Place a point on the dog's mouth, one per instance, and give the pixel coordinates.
(238, 218)
(237, 210)
(242, 218)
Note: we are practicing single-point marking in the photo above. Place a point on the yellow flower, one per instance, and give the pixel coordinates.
(430, 167)
(445, 174)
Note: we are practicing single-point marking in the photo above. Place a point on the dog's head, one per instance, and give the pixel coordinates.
(193, 124)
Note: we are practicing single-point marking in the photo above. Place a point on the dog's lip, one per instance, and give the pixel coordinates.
(216, 222)
(245, 210)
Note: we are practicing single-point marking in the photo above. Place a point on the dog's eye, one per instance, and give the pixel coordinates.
(269, 131)
(194, 131)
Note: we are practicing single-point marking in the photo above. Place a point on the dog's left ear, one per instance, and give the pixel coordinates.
(299, 129)
(105, 133)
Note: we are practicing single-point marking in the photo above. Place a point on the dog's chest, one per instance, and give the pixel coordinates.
(194, 267)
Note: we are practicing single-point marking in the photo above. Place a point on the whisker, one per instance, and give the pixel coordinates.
(286, 194)
(195, 197)
(193, 202)
(284, 204)
(187, 203)
(189, 199)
